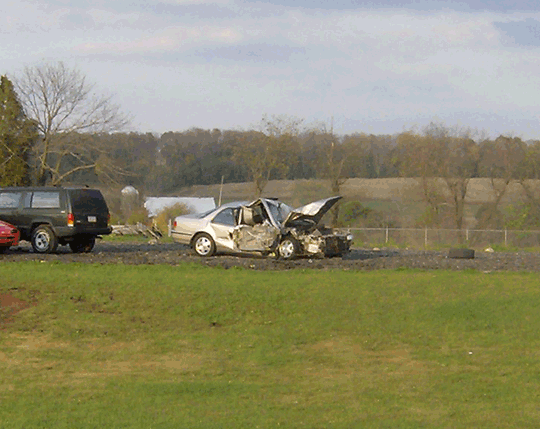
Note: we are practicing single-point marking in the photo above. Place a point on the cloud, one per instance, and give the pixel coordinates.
(36, 17)
(368, 62)
(170, 39)
(261, 52)
(377, 29)
(421, 6)
(524, 32)
(189, 11)
(193, 2)
(102, 17)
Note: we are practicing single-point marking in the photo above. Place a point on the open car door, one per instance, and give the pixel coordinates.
(255, 231)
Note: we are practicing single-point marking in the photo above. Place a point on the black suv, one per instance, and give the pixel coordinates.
(49, 216)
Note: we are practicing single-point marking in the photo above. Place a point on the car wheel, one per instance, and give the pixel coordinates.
(44, 240)
(82, 244)
(288, 248)
(4, 249)
(203, 245)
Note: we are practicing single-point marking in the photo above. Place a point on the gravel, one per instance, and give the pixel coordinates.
(137, 253)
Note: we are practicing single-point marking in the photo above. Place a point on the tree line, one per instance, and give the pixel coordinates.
(56, 128)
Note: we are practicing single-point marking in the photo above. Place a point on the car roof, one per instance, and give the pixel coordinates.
(233, 204)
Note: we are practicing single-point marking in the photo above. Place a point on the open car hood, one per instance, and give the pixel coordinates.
(312, 212)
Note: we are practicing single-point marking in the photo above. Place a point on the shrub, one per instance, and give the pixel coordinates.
(162, 219)
(138, 215)
(351, 212)
(115, 219)
(354, 213)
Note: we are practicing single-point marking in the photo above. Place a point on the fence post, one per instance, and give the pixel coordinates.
(386, 235)
(505, 237)
(467, 235)
(425, 237)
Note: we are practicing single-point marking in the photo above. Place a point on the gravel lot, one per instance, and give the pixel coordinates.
(135, 253)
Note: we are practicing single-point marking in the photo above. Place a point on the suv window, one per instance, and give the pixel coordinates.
(88, 201)
(10, 200)
(45, 200)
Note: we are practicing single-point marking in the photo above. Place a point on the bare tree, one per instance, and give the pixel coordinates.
(265, 152)
(65, 106)
(416, 157)
(332, 165)
(458, 163)
(446, 156)
(502, 161)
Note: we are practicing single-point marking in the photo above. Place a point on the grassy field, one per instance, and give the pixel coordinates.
(194, 347)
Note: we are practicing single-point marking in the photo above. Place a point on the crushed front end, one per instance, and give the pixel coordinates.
(314, 238)
(322, 242)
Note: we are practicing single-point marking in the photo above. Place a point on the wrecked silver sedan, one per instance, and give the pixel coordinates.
(266, 226)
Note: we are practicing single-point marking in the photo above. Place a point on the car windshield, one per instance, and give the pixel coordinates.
(279, 211)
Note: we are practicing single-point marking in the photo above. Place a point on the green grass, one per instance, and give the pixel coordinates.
(195, 347)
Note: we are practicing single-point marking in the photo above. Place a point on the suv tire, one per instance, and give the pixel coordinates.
(82, 244)
(44, 240)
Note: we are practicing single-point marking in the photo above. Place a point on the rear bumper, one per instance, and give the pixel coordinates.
(180, 238)
(71, 231)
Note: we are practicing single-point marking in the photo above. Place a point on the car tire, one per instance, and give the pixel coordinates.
(461, 253)
(288, 249)
(3, 249)
(82, 244)
(44, 240)
(203, 245)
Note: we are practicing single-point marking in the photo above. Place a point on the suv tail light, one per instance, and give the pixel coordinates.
(174, 224)
(70, 219)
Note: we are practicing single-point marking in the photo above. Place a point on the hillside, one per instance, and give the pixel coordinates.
(394, 198)
(401, 190)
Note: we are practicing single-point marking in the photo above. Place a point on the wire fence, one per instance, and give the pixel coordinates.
(429, 238)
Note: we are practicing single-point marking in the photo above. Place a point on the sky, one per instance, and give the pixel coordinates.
(378, 67)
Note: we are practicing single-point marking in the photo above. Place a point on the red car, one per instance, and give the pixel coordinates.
(9, 236)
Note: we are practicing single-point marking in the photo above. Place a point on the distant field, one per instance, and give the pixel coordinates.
(115, 346)
(394, 197)
(393, 189)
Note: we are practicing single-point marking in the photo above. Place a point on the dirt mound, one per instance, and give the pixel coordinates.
(9, 306)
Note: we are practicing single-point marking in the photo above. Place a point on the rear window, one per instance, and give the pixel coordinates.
(88, 200)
